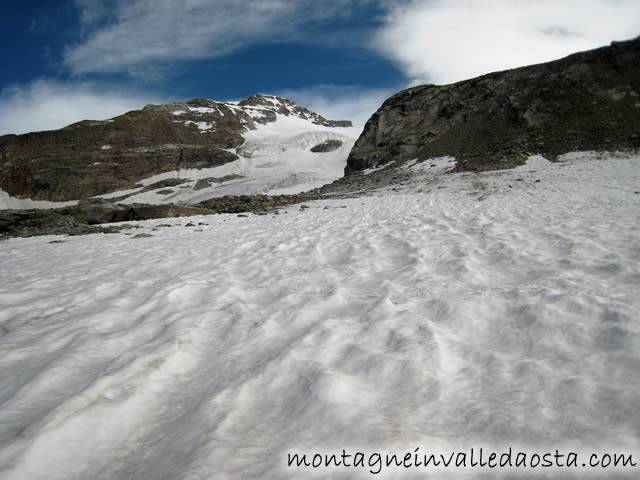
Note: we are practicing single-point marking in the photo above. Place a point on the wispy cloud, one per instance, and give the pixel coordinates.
(443, 41)
(47, 105)
(436, 41)
(339, 102)
(132, 33)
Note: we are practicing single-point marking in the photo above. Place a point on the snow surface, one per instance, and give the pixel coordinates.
(9, 202)
(468, 314)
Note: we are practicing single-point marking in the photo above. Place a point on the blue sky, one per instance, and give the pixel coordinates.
(68, 60)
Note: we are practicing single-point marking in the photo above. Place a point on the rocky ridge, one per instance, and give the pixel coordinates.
(586, 101)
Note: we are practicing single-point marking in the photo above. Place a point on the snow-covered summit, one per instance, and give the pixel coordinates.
(211, 115)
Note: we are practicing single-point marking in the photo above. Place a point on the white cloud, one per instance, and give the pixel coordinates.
(48, 105)
(337, 102)
(443, 41)
(134, 32)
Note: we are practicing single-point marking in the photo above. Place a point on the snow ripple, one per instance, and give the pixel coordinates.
(402, 320)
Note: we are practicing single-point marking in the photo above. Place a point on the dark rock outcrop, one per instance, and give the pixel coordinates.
(254, 203)
(328, 146)
(91, 158)
(85, 218)
(586, 101)
(207, 182)
(89, 216)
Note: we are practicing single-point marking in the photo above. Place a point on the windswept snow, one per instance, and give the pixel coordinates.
(468, 314)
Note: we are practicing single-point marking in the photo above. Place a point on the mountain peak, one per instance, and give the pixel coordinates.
(91, 158)
(259, 108)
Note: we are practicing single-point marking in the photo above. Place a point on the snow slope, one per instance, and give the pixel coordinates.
(275, 158)
(467, 314)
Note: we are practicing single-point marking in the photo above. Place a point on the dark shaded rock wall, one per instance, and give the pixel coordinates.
(587, 101)
(92, 158)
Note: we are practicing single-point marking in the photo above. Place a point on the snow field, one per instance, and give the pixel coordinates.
(446, 318)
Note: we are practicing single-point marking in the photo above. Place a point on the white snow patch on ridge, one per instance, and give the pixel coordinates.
(201, 109)
(405, 320)
(204, 126)
(13, 203)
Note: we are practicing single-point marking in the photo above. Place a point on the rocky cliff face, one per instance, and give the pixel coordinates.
(587, 101)
(97, 157)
